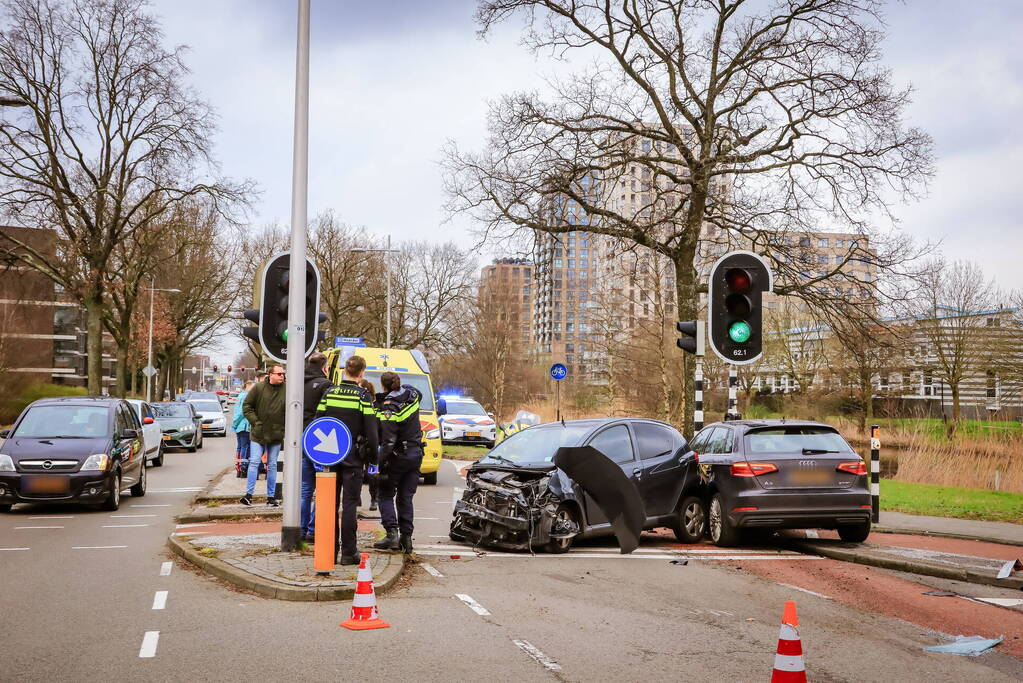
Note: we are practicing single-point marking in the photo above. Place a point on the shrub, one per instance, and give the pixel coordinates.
(12, 407)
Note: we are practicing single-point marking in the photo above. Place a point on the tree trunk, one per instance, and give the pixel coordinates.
(94, 343)
(688, 307)
(957, 414)
(121, 371)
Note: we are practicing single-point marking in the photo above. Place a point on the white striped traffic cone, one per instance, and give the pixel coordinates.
(364, 602)
(788, 660)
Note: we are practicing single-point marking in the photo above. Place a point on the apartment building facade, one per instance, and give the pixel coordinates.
(506, 292)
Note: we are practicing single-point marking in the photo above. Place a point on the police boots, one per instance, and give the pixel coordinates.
(405, 543)
(389, 542)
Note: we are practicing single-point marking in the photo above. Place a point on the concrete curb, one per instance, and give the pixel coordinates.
(943, 534)
(257, 584)
(190, 517)
(864, 556)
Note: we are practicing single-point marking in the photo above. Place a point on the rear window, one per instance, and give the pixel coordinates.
(795, 440)
(57, 422)
(654, 440)
(172, 410)
(207, 406)
(465, 408)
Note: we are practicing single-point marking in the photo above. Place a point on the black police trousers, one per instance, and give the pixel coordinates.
(400, 488)
(348, 491)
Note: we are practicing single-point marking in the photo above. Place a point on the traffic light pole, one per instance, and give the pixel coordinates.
(290, 529)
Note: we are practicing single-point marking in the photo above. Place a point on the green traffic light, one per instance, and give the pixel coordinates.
(284, 335)
(739, 332)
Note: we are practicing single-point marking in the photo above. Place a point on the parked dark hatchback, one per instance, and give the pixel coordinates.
(80, 450)
(516, 498)
(781, 474)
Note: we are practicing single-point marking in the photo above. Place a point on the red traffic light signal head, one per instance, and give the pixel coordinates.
(229, 368)
(242, 368)
(738, 280)
(216, 368)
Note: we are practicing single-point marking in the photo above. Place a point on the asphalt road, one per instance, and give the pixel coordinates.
(76, 605)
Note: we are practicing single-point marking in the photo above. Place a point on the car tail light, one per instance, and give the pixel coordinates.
(857, 467)
(752, 469)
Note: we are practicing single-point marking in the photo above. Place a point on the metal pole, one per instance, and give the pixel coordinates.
(149, 362)
(387, 269)
(557, 391)
(875, 473)
(698, 407)
(290, 529)
(733, 384)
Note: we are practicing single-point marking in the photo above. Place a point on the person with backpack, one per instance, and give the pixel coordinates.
(401, 454)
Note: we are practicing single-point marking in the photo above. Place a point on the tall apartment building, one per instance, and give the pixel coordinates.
(506, 292)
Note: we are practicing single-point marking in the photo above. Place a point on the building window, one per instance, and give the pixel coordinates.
(804, 241)
(992, 384)
(822, 242)
(839, 260)
(928, 388)
(557, 263)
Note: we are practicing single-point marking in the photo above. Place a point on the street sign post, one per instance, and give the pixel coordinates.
(326, 441)
(149, 371)
(558, 373)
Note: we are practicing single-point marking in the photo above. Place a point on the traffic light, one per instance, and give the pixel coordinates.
(692, 336)
(229, 368)
(735, 308)
(216, 369)
(271, 317)
(241, 368)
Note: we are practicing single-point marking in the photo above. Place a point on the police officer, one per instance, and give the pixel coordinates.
(353, 405)
(401, 454)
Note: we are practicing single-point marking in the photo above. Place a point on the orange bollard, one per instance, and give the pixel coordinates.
(326, 517)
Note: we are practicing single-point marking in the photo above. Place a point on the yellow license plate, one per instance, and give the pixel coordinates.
(45, 483)
(207, 426)
(813, 478)
(166, 438)
(472, 433)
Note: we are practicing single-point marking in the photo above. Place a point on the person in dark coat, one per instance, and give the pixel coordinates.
(372, 480)
(401, 454)
(264, 409)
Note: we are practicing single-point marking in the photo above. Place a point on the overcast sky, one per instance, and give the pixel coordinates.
(392, 81)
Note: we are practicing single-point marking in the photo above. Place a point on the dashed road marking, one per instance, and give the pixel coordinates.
(431, 570)
(537, 655)
(149, 642)
(165, 568)
(15, 548)
(97, 547)
(431, 518)
(129, 516)
(150, 505)
(184, 489)
(189, 526)
(123, 526)
(473, 605)
(38, 527)
(51, 517)
(803, 590)
(160, 600)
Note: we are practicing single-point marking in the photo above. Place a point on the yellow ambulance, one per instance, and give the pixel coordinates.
(414, 370)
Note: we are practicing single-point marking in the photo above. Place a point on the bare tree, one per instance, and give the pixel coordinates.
(763, 122)
(429, 280)
(110, 141)
(959, 344)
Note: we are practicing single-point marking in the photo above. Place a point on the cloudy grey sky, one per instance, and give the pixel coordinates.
(392, 80)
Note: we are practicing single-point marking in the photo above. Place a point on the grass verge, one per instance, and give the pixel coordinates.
(468, 453)
(951, 501)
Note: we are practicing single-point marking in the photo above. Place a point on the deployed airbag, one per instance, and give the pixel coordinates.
(615, 494)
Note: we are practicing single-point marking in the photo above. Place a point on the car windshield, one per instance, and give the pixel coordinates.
(420, 382)
(795, 440)
(465, 408)
(172, 410)
(63, 422)
(207, 406)
(536, 445)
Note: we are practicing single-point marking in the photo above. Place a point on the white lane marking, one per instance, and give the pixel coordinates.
(420, 518)
(473, 605)
(14, 548)
(160, 600)
(129, 516)
(647, 551)
(431, 570)
(189, 526)
(811, 533)
(469, 552)
(540, 657)
(149, 642)
(803, 590)
(456, 495)
(1001, 602)
(147, 505)
(122, 526)
(190, 533)
(38, 527)
(165, 568)
(51, 517)
(96, 547)
(444, 502)
(180, 490)
(444, 536)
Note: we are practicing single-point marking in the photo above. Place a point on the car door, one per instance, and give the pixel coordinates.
(124, 447)
(150, 430)
(616, 443)
(662, 468)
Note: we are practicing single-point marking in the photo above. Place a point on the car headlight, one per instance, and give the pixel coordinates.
(6, 463)
(96, 462)
(433, 434)
(188, 428)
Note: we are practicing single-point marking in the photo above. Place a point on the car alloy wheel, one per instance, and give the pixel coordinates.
(113, 502)
(722, 532)
(692, 520)
(714, 519)
(564, 514)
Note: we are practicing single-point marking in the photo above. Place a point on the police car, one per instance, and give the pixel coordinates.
(464, 421)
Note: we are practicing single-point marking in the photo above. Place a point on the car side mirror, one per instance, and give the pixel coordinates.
(490, 415)
(148, 420)
(4, 433)
(129, 434)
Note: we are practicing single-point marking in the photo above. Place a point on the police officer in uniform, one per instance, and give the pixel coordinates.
(353, 405)
(401, 454)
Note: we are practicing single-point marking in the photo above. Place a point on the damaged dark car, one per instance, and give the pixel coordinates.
(546, 487)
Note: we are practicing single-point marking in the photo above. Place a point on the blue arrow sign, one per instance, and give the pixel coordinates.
(559, 371)
(326, 441)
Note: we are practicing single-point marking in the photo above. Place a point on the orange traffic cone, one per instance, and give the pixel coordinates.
(788, 661)
(364, 602)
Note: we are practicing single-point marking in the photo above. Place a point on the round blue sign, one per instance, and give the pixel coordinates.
(326, 441)
(559, 371)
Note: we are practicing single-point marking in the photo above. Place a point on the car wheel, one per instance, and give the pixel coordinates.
(158, 460)
(722, 531)
(430, 479)
(139, 489)
(692, 520)
(562, 545)
(6, 507)
(113, 501)
(854, 533)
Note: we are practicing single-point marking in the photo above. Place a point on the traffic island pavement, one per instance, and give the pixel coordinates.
(945, 558)
(971, 529)
(247, 554)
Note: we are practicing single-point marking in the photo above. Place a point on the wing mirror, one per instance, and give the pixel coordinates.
(148, 420)
(490, 415)
(129, 434)
(4, 433)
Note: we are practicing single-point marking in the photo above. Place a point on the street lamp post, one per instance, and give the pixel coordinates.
(387, 274)
(149, 361)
